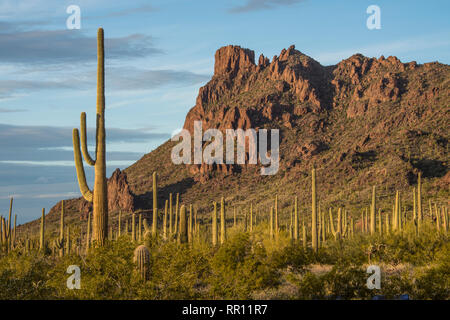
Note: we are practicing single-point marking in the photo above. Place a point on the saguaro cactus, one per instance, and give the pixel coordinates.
(68, 242)
(165, 220)
(352, 227)
(170, 215)
(133, 227)
(139, 233)
(190, 230)
(214, 225)
(304, 236)
(323, 233)
(372, 212)
(142, 261)
(6, 233)
(337, 233)
(244, 220)
(155, 204)
(380, 222)
(396, 212)
(176, 214)
(13, 243)
(9, 222)
(251, 217)
(319, 223)
(59, 243)
(120, 224)
(195, 220)
(276, 216)
(223, 227)
(366, 221)
(419, 199)
(183, 233)
(42, 232)
(296, 219)
(314, 239)
(100, 194)
(291, 224)
(387, 223)
(271, 223)
(444, 219)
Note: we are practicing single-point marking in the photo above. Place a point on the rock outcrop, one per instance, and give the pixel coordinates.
(120, 196)
(292, 90)
(363, 120)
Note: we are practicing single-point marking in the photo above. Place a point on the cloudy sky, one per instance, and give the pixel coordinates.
(158, 53)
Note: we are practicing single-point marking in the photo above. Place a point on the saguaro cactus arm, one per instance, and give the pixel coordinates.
(84, 147)
(84, 188)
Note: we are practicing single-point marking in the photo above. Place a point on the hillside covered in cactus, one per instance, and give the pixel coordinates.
(362, 122)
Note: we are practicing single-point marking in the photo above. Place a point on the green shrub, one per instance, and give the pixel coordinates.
(240, 267)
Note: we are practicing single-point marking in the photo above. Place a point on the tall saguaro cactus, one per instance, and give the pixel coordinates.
(42, 232)
(314, 240)
(372, 212)
(223, 227)
(155, 204)
(296, 219)
(214, 225)
(170, 214)
(183, 234)
(99, 195)
(9, 222)
(60, 242)
(271, 223)
(419, 198)
(165, 220)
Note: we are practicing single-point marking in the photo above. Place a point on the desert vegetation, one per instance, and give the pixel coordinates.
(238, 253)
(279, 248)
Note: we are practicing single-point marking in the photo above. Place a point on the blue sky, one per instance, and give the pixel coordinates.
(158, 55)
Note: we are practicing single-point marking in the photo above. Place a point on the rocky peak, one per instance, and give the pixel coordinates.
(263, 61)
(233, 59)
(285, 54)
(120, 196)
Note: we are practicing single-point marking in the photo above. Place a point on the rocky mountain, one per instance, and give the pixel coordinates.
(362, 122)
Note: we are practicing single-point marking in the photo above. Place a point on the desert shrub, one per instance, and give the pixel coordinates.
(346, 281)
(178, 271)
(106, 273)
(292, 256)
(24, 276)
(311, 287)
(239, 267)
(434, 282)
(397, 284)
(407, 248)
(344, 252)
